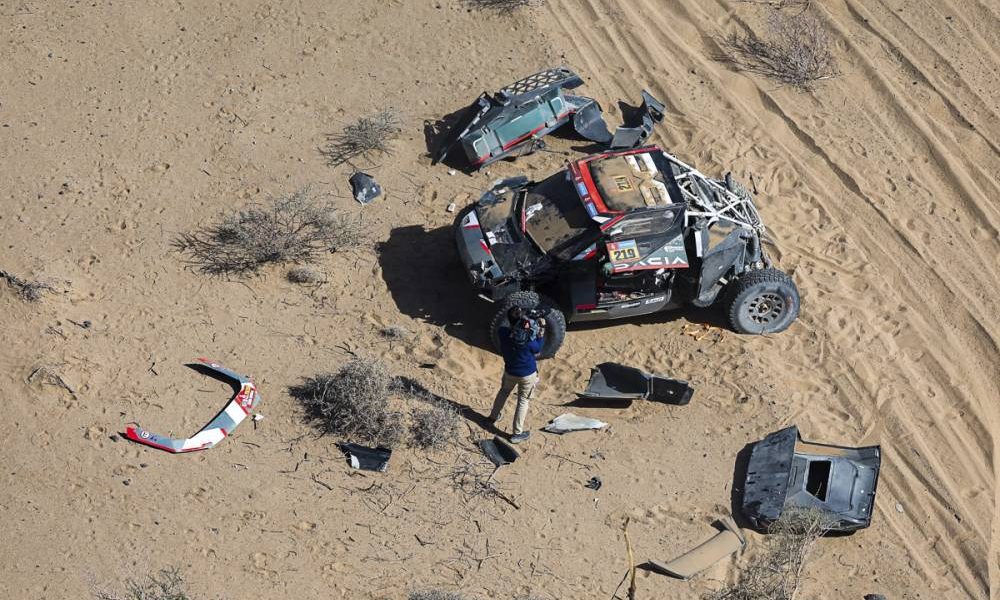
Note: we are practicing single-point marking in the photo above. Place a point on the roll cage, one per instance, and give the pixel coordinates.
(713, 200)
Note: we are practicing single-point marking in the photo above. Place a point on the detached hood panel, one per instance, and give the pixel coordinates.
(785, 472)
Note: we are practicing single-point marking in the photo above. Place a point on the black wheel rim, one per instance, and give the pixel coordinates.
(766, 308)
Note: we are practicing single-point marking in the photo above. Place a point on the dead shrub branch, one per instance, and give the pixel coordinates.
(503, 6)
(29, 291)
(775, 572)
(780, 4)
(474, 477)
(167, 584)
(50, 376)
(795, 51)
(435, 595)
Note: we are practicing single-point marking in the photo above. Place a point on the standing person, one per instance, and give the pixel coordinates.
(519, 343)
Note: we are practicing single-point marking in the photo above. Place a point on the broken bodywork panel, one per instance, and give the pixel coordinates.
(499, 451)
(728, 540)
(590, 124)
(519, 115)
(612, 381)
(365, 458)
(784, 472)
(364, 187)
(241, 405)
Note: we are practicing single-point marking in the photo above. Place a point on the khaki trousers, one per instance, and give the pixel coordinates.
(525, 388)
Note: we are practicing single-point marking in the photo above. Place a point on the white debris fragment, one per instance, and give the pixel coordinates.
(451, 171)
(570, 422)
(451, 207)
(899, 507)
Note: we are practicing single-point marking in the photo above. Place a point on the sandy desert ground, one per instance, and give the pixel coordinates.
(124, 124)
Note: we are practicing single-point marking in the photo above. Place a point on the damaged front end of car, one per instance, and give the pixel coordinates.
(496, 254)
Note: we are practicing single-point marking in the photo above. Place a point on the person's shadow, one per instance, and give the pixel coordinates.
(415, 389)
(425, 278)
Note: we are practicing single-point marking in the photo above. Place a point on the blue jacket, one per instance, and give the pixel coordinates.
(519, 361)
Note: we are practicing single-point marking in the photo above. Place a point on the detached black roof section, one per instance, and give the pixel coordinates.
(785, 472)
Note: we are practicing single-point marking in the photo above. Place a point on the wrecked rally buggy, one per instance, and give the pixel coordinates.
(622, 234)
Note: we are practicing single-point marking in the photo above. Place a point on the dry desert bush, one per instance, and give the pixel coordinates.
(775, 571)
(295, 228)
(167, 584)
(434, 425)
(365, 138)
(354, 402)
(365, 403)
(796, 49)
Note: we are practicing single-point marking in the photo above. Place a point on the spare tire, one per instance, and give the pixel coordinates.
(762, 301)
(555, 321)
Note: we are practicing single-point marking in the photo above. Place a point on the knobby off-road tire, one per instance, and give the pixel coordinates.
(762, 301)
(555, 321)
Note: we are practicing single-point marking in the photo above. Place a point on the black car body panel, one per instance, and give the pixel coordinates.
(785, 472)
(612, 381)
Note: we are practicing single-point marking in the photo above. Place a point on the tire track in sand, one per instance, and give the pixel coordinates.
(915, 341)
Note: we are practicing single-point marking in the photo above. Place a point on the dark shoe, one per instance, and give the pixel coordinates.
(517, 438)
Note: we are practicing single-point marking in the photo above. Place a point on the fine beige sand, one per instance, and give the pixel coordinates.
(123, 124)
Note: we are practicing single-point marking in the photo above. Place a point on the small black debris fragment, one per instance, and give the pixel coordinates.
(595, 483)
(365, 458)
(364, 187)
(499, 451)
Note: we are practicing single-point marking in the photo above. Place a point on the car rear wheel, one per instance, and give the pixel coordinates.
(762, 301)
(555, 320)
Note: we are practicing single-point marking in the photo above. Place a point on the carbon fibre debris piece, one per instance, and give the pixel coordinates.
(784, 472)
(365, 458)
(364, 187)
(612, 381)
(499, 451)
